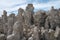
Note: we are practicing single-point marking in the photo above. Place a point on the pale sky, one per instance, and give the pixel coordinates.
(11, 6)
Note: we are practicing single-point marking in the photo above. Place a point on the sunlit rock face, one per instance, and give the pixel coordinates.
(30, 25)
(36, 33)
(53, 19)
(4, 17)
(2, 37)
(39, 18)
(17, 33)
(20, 15)
(11, 21)
(28, 15)
(4, 22)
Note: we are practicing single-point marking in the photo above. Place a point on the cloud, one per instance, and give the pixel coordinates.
(9, 5)
(47, 6)
(14, 5)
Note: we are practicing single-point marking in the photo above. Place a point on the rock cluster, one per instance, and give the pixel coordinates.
(30, 25)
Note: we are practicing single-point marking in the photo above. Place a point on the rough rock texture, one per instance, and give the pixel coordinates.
(2, 37)
(28, 15)
(17, 32)
(39, 18)
(30, 25)
(53, 19)
(11, 21)
(1, 26)
(36, 34)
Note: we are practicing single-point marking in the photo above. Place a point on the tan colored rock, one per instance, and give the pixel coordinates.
(11, 21)
(39, 18)
(53, 19)
(28, 15)
(2, 37)
(36, 34)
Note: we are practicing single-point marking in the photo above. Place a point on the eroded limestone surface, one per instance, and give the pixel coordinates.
(30, 25)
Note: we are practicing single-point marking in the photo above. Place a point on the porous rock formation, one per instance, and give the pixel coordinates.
(30, 25)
